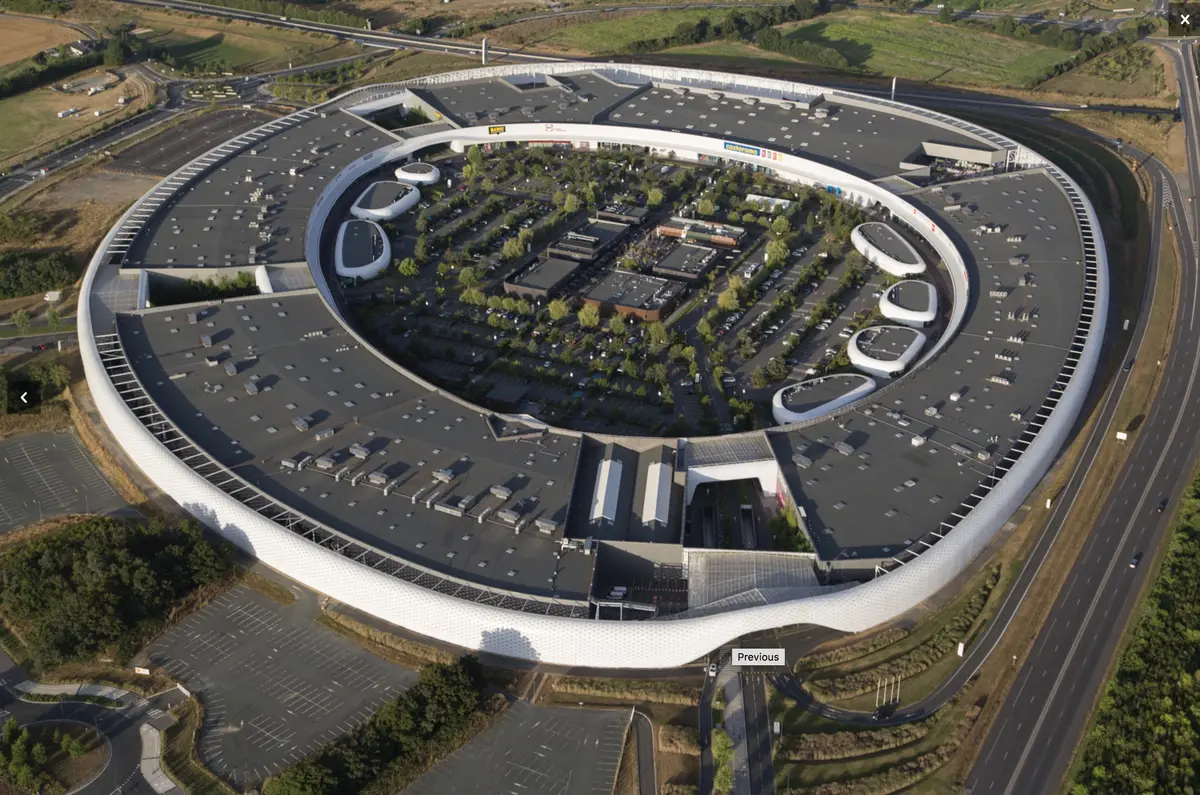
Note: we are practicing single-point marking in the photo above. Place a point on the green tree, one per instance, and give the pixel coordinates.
(20, 319)
(571, 204)
(558, 309)
(945, 14)
(114, 52)
(408, 267)
(654, 197)
(589, 316)
(616, 325)
(781, 225)
(722, 752)
(468, 277)
(704, 329)
(728, 299)
(475, 157)
(777, 251)
(705, 208)
(758, 378)
(53, 318)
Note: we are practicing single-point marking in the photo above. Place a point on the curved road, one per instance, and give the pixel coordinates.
(121, 727)
(647, 772)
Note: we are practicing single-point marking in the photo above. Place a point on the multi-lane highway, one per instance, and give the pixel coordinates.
(1036, 733)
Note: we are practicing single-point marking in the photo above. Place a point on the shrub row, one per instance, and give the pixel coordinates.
(853, 651)
(33, 76)
(665, 692)
(822, 746)
(679, 740)
(901, 776)
(916, 660)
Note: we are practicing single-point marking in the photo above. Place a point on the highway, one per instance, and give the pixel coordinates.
(1036, 733)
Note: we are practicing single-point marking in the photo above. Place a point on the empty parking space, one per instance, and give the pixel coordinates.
(49, 474)
(275, 685)
(534, 751)
(177, 145)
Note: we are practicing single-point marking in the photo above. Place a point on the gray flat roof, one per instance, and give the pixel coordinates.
(409, 431)
(816, 392)
(624, 288)
(361, 245)
(565, 98)
(910, 294)
(382, 195)
(848, 499)
(886, 343)
(888, 240)
(686, 258)
(547, 274)
(209, 223)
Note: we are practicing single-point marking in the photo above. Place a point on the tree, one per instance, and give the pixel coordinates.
(20, 319)
(468, 277)
(781, 226)
(722, 752)
(559, 309)
(589, 316)
(617, 326)
(114, 52)
(758, 378)
(408, 267)
(50, 377)
(728, 299)
(777, 251)
(658, 333)
(53, 318)
(704, 329)
(475, 157)
(705, 207)
(571, 204)
(945, 14)
(654, 197)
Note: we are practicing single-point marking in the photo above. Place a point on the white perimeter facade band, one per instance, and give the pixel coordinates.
(661, 643)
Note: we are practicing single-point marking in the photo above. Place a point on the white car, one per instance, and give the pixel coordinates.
(712, 670)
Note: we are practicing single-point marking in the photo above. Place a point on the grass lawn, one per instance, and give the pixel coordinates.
(918, 48)
(594, 34)
(1132, 72)
(723, 54)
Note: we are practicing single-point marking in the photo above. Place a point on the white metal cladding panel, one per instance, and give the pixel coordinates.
(656, 507)
(575, 641)
(608, 490)
(893, 311)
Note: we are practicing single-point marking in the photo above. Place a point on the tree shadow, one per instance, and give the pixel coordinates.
(857, 53)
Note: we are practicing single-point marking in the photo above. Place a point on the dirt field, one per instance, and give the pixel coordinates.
(25, 37)
(82, 209)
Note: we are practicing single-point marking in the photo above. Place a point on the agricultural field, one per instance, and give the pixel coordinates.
(27, 37)
(29, 121)
(596, 34)
(917, 48)
(1134, 72)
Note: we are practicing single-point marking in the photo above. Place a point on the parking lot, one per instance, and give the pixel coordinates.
(275, 686)
(534, 751)
(49, 474)
(161, 154)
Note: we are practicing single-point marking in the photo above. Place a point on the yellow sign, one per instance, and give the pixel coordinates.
(496, 130)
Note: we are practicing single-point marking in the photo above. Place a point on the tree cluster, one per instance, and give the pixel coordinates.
(168, 292)
(25, 273)
(35, 75)
(736, 24)
(393, 747)
(294, 11)
(773, 40)
(20, 227)
(102, 586)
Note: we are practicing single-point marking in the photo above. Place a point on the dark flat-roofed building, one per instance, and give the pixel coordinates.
(648, 298)
(542, 279)
(385, 460)
(623, 214)
(687, 262)
(256, 201)
(520, 99)
(588, 242)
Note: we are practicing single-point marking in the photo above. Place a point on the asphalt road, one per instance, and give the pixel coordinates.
(1035, 735)
(647, 773)
(758, 735)
(120, 726)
